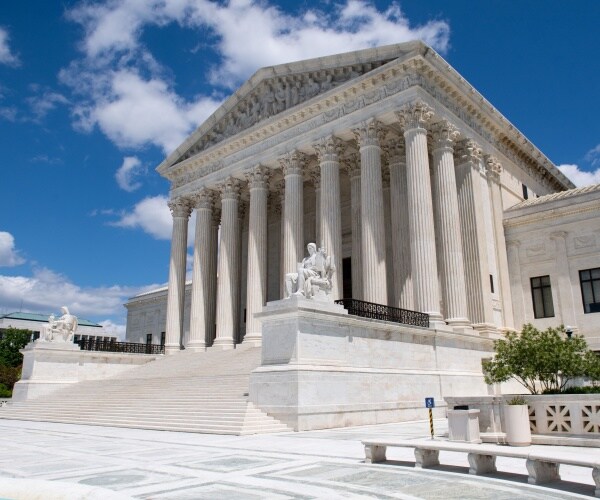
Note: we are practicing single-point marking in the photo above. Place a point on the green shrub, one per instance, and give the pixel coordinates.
(5, 392)
(12, 341)
(9, 376)
(541, 360)
(592, 389)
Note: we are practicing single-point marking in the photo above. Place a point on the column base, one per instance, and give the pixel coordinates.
(485, 329)
(253, 339)
(196, 347)
(223, 344)
(461, 325)
(172, 348)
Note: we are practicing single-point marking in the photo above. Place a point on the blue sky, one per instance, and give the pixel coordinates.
(93, 95)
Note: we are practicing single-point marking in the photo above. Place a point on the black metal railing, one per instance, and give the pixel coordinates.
(126, 347)
(385, 313)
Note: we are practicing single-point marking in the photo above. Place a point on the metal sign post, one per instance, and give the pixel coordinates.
(429, 404)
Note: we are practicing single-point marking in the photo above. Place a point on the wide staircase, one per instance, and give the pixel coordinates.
(203, 392)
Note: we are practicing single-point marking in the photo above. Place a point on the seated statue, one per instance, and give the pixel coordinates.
(313, 275)
(61, 329)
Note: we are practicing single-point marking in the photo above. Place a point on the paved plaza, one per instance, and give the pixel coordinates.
(49, 461)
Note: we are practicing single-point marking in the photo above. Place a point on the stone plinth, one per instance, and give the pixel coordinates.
(323, 368)
(49, 366)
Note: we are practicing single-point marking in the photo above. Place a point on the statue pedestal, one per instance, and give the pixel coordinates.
(323, 368)
(47, 366)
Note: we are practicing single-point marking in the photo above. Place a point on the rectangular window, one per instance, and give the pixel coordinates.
(492, 282)
(590, 289)
(525, 192)
(162, 338)
(149, 338)
(541, 292)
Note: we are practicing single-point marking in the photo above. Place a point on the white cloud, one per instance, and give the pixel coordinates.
(131, 169)
(124, 90)
(152, 215)
(580, 177)
(42, 104)
(47, 290)
(9, 257)
(593, 156)
(116, 329)
(7, 56)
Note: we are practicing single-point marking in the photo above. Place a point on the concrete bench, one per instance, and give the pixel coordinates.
(542, 467)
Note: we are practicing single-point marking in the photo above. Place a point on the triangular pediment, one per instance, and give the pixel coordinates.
(275, 89)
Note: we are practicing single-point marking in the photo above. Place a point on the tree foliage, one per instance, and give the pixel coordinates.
(541, 360)
(13, 339)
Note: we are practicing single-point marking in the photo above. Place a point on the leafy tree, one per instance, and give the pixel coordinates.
(541, 361)
(13, 339)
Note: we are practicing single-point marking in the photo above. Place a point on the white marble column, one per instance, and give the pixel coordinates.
(494, 172)
(413, 119)
(211, 315)
(256, 295)
(368, 136)
(293, 213)
(279, 196)
(180, 209)
(470, 203)
(387, 218)
(330, 208)
(352, 164)
(403, 291)
(447, 225)
(316, 178)
(229, 280)
(199, 327)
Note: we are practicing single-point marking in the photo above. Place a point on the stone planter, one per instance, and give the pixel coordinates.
(517, 429)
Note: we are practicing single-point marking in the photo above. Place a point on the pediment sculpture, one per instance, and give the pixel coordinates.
(313, 279)
(60, 330)
(274, 95)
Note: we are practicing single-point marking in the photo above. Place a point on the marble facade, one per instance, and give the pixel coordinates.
(386, 157)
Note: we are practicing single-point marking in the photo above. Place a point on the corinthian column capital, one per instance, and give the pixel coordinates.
(369, 133)
(468, 151)
(230, 189)
(444, 134)
(180, 207)
(258, 178)
(203, 199)
(292, 163)
(415, 115)
(395, 150)
(351, 164)
(328, 149)
(493, 168)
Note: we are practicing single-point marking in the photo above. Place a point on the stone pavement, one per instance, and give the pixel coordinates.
(50, 461)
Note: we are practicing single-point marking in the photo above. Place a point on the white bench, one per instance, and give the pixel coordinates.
(542, 467)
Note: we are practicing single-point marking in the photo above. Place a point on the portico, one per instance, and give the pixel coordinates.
(305, 151)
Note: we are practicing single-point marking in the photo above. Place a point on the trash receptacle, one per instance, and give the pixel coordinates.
(463, 426)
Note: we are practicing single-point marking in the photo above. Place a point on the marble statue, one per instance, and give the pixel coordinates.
(60, 330)
(313, 276)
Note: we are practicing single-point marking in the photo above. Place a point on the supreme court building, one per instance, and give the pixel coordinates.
(392, 162)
